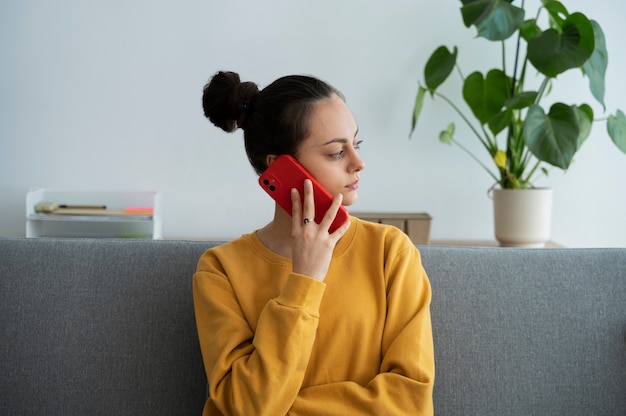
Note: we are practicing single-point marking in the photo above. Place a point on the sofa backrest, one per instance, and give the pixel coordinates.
(106, 327)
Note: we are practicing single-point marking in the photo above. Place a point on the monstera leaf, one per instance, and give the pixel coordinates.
(439, 66)
(552, 137)
(494, 19)
(486, 96)
(553, 53)
(595, 67)
(616, 126)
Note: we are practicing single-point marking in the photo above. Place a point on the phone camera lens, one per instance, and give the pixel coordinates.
(272, 188)
(266, 182)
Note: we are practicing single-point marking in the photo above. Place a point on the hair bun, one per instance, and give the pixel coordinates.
(227, 101)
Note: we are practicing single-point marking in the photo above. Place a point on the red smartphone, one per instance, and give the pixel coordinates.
(287, 173)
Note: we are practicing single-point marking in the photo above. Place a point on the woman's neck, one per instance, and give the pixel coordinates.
(276, 235)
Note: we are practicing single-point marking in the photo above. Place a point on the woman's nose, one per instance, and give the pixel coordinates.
(357, 163)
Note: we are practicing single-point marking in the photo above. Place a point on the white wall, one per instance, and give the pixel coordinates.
(106, 95)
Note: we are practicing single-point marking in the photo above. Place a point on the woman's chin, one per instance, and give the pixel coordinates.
(350, 199)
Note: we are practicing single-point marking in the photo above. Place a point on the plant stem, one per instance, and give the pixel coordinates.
(542, 89)
(458, 68)
(484, 143)
(482, 140)
(476, 159)
(493, 149)
(515, 65)
(532, 172)
(503, 46)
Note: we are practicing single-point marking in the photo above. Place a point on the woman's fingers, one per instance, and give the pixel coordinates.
(330, 215)
(303, 212)
(308, 208)
(296, 207)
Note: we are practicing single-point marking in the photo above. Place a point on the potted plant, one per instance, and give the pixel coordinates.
(520, 134)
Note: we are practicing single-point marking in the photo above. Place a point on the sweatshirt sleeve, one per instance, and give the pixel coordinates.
(260, 372)
(404, 385)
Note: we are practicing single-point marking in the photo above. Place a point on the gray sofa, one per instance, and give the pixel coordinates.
(106, 327)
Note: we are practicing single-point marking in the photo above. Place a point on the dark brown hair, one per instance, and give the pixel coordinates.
(274, 120)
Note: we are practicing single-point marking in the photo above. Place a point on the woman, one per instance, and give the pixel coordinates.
(293, 319)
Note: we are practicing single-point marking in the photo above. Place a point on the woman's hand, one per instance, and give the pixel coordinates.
(313, 246)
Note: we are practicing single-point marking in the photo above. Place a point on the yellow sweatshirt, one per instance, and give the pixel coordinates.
(279, 343)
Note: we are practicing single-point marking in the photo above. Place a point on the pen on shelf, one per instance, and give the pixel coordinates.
(79, 206)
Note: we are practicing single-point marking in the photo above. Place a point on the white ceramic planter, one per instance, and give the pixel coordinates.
(522, 217)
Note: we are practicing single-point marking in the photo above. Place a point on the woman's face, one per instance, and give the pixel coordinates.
(330, 152)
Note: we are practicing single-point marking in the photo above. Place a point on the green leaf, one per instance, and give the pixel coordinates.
(447, 135)
(500, 121)
(595, 67)
(494, 19)
(439, 66)
(417, 108)
(584, 113)
(521, 100)
(552, 52)
(616, 126)
(553, 137)
(529, 28)
(487, 96)
(556, 10)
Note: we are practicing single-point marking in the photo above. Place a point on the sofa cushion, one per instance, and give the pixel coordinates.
(528, 331)
(93, 327)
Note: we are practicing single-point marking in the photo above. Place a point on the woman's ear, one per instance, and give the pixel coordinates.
(269, 159)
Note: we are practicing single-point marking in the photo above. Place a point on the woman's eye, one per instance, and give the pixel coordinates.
(342, 153)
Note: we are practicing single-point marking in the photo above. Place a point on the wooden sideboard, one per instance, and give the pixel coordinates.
(415, 224)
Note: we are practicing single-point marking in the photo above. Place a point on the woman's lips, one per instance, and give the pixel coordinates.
(353, 186)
